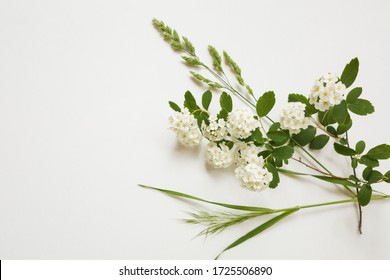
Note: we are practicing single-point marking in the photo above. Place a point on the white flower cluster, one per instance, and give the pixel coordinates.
(241, 123)
(185, 126)
(293, 117)
(253, 176)
(219, 157)
(327, 92)
(248, 153)
(216, 130)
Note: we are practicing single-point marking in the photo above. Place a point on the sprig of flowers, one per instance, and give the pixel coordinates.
(259, 147)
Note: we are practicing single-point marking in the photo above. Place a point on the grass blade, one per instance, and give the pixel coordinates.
(231, 206)
(257, 230)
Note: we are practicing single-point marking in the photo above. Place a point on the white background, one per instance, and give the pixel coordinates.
(84, 87)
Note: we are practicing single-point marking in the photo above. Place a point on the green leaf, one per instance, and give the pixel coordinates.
(343, 150)
(274, 127)
(354, 94)
(366, 173)
(319, 142)
(338, 181)
(360, 146)
(223, 114)
(379, 152)
(361, 107)
(226, 102)
(354, 163)
(374, 177)
(340, 112)
(326, 118)
(344, 127)
(309, 110)
(367, 161)
(230, 206)
(350, 72)
(331, 130)
(189, 101)
(364, 195)
(275, 175)
(278, 137)
(387, 177)
(206, 99)
(265, 103)
(258, 230)
(255, 137)
(305, 136)
(284, 152)
(174, 106)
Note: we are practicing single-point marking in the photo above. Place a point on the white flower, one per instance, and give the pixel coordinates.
(253, 176)
(219, 157)
(248, 154)
(327, 92)
(216, 130)
(241, 123)
(185, 126)
(293, 117)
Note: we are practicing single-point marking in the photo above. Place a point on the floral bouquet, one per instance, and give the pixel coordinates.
(260, 148)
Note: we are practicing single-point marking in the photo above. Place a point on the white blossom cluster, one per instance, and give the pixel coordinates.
(253, 176)
(185, 126)
(241, 123)
(248, 153)
(219, 156)
(216, 130)
(327, 92)
(293, 117)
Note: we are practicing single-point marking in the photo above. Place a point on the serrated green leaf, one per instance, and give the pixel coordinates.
(174, 106)
(379, 152)
(350, 72)
(360, 146)
(257, 230)
(278, 137)
(189, 101)
(295, 97)
(361, 107)
(364, 195)
(275, 175)
(340, 112)
(367, 161)
(265, 103)
(226, 102)
(284, 152)
(319, 142)
(206, 99)
(223, 114)
(354, 94)
(305, 136)
(343, 150)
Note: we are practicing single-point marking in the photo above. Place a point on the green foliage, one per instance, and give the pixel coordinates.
(340, 112)
(278, 137)
(233, 65)
(275, 175)
(282, 153)
(361, 107)
(360, 146)
(354, 94)
(206, 99)
(189, 101)
(319, 142)
(203, 79)
(334, 180)
(258, 230)
(305, 136)
(309, 110)
(326, 118)
(350, 72)
(379, 152)
(367, 161)
(387, 177)
(374, 177)
(343, 150)
(344, 127)
(226, 102)
(191, 61)
(174, 106)
(265, 103)
(364, 195)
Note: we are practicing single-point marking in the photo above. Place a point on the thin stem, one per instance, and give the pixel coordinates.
(309, 166)
(357, 191)
(324, 130)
